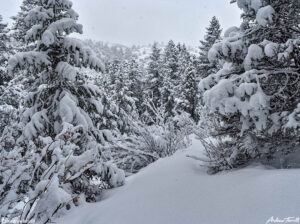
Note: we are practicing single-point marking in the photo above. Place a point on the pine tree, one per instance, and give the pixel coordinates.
(213, 35)
(171, 55)
(184, 58)
(187, 90)
(120, 89)
(188, 98)
(256, 93)
(7, 92)
(17, 84)
(20, 27)
(137, 84)
(171, 77)
(59, 152)
(4, 52)
(154, 79)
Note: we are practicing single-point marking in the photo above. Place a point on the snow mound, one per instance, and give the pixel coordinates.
(177, 190)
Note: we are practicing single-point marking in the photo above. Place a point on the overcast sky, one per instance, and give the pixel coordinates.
(145, 21)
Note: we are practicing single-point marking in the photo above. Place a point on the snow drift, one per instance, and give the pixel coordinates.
(177, 190)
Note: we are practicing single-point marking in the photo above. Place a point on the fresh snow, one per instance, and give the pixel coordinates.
(255, 52)
(271, 49)
(265, 15)
(177, 190)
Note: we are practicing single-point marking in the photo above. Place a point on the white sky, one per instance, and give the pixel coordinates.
(145, 21)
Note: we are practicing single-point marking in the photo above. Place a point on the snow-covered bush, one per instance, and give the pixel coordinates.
(153, 138)
(256, 93)
(59, 154)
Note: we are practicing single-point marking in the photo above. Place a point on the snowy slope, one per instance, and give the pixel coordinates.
(177, 190)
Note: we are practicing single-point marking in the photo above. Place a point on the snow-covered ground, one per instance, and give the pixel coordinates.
(176, 190)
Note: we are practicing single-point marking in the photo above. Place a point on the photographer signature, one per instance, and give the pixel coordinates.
(284, 220)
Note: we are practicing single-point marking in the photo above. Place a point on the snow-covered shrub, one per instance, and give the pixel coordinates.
(59, 153)
(166, 134)
(255, 95)
(153, 138)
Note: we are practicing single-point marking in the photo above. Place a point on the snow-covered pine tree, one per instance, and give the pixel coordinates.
(256, 93)
(4, 52)
(20, 27)
(213, 35)
(154, 79)
(137, 84)
(57, 162)
(15, 91)
(6, 104)
(184, 58)
(189, 98)
(171, 77)
(119, 86)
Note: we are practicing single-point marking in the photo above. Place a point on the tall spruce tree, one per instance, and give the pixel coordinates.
(154, 79)
(137, 84)
(171, 77)
(213, 34)
(59, 152)
(256, 93)
(189, 98)
(122, 96)
(184, 59)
